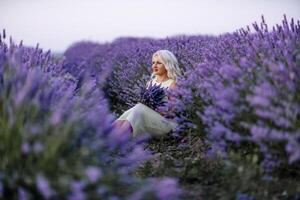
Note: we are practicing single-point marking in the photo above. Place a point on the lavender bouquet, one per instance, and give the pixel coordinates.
(153, 96)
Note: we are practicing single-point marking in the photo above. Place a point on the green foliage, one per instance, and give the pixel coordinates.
(214, 178)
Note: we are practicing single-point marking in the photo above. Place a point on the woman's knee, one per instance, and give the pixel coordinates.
(118, 123)
(127, 125)
(138, 106)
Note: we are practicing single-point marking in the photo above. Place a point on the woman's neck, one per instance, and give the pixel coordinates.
(161, 78)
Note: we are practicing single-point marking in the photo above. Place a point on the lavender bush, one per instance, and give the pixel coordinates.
(255, 98)
(247, 98)
(56, 139)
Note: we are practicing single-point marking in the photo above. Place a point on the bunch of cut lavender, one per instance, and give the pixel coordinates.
(152, 96)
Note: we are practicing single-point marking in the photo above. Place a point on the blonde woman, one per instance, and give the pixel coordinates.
(141, 119)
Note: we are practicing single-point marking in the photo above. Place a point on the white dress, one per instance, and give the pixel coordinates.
(145, 120)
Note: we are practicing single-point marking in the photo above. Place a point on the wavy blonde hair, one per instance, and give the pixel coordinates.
(170, 62)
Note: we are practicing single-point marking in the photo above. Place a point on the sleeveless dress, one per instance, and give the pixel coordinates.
(145, 120)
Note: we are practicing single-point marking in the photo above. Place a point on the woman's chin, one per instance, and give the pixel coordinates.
(156, 73)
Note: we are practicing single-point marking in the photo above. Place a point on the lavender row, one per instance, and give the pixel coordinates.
(239, 92)
(56, 137)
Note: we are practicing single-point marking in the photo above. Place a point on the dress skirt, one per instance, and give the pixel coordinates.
(145, 120)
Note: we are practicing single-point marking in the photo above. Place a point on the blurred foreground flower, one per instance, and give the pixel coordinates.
(56, 136)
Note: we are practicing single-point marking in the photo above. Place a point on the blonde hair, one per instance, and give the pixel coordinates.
(170, 62)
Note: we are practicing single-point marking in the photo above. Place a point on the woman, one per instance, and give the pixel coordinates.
(142, 119)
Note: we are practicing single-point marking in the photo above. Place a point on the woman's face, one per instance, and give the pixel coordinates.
(158, 67)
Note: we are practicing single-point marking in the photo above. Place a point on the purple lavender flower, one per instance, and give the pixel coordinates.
(93, 173)
(243, 196)
(26, 148)
(44, 187)
(22, 194)
(152, 96)
(167, 189)
(77, 188)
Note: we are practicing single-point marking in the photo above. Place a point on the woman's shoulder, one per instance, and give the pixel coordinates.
(172, 84)
(169, 83)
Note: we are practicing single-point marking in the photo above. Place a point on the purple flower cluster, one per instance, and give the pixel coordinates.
(249, 91)
(56, 134)
(153, 96)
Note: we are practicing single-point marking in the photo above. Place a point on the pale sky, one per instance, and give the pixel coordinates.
(56, 24)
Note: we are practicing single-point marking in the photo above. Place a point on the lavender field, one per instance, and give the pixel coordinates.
(237, 106)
